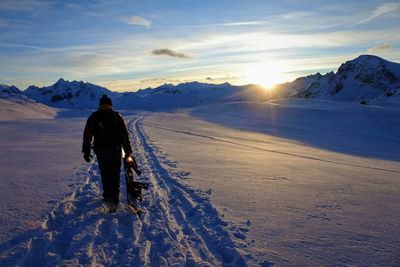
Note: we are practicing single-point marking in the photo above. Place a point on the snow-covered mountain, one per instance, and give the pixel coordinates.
(194, 94)
(65, 94)
(9, 89)
(80, 95)
(361, 79)
(365, 78)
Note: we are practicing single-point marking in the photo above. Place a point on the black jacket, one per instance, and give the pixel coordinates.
(107, 130)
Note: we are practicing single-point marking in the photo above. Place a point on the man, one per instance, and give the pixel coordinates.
(109, 132)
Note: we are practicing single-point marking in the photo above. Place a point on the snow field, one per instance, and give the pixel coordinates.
(314, 183)
(179, 226)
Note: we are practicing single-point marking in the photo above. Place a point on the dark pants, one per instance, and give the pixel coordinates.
(110, 169)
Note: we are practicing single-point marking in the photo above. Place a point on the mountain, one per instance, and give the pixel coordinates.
(364, 78)
(195, 93)
(79, 95)
(9, 89)
(65, 94)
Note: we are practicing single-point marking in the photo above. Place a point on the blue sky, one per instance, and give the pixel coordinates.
(127, 45)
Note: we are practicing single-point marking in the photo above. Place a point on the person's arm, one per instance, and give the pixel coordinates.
(87, 139)
(126, 144)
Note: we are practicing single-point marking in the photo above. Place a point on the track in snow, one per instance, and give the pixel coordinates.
(179, 227)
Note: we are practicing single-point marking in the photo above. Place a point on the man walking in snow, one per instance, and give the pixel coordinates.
(106, 128)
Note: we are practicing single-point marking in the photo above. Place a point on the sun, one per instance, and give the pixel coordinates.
(265, 74)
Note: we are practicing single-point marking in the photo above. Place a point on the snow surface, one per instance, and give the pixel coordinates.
(295, 182)
(303, 182)
(288, 182)
(39, 161)
(14, 106)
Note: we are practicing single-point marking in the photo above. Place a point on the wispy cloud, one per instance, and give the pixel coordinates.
(380, 48)
(169, 52)
(380, 10)
(161, 80)
(295, 15)
(139, 21)
(243, 23)
(23, 5)
(73, 6)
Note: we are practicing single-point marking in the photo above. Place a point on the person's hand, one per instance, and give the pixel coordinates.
(127, 155)
(87, 157)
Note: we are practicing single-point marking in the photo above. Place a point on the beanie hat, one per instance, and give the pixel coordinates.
(105, 100)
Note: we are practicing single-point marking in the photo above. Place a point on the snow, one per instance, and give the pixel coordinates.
(233, 180)
(18, 107)
(39, 161)
(290, 182)
(299, 189)
(364, 78)
(65, 94)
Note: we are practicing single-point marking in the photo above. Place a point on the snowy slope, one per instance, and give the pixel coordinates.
(67, 94)
(295, 183)
(364, 78)
(309, 183)
(180, 227)
(14, 106)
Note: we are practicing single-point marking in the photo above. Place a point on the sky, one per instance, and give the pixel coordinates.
(128, 45)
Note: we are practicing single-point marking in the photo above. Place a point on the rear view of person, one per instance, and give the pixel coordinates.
(106, 133)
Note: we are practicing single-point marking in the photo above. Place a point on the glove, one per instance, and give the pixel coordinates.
(87, 157)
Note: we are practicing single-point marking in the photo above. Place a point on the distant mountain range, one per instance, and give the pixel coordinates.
(363, 79)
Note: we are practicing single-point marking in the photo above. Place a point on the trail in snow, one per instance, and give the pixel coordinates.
(179, 226)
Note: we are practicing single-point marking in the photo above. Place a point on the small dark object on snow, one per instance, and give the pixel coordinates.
(363, 102)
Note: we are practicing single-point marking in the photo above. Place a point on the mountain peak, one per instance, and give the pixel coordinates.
(60, 82)
(367, 57)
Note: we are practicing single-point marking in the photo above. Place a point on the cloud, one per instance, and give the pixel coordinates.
(169, 52)
(380, 48)
(161, 80)
(295, 15)
(73, 6)
(23, 5)
(140, 21)
(243, 23)
(380, 10)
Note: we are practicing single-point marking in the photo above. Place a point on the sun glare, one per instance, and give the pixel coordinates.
(266, 75)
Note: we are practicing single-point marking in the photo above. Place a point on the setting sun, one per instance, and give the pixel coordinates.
(266, 75)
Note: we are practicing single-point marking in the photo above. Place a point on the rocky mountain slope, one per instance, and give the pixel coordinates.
(362, 79)
(67, 94)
